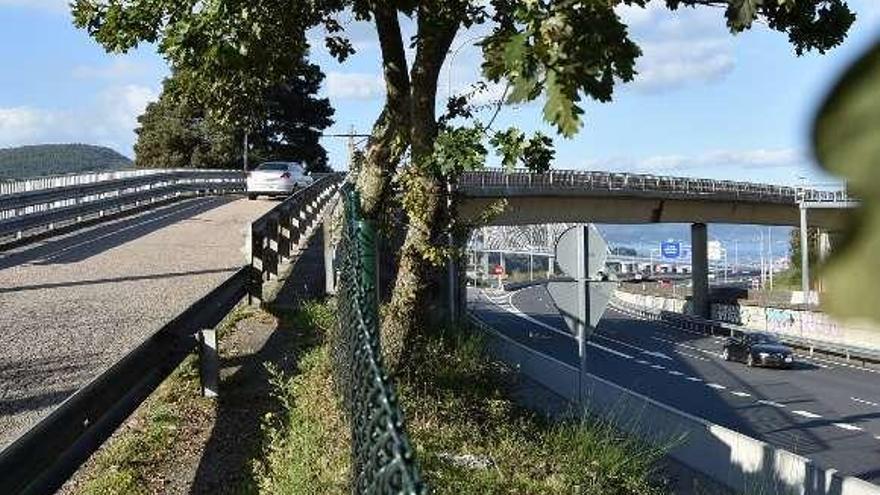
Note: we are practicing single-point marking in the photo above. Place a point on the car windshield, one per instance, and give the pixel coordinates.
(761, 338)
(273, 166)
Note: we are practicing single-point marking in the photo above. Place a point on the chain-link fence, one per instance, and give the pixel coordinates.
(383, 461)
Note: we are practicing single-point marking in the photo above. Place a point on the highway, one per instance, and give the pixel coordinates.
(72, 305)
(827, 411)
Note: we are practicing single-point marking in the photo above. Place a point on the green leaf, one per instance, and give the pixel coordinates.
(846, 142)
(560, 108)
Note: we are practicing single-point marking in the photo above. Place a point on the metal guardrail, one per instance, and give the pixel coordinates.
(716, 327)
(482, 182)
(275, 235)
(45, 456)
(382, 459)
(29, 210)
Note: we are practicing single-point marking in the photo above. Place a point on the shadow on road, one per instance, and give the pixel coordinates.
(101, 281)
(92, 241)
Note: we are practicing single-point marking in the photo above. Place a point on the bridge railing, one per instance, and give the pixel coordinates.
(494, 179)
(45, 456)
(35, 206)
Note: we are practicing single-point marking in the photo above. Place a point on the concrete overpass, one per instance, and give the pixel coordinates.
(562, 196)
(581, 196)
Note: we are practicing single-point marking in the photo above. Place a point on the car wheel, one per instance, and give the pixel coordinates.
(725, 355)
(252, 197)
(750, 361)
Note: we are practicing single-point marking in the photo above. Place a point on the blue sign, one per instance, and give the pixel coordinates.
(670, 249)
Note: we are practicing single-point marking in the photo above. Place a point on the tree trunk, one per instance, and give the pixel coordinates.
(390, 135)
(423, 192)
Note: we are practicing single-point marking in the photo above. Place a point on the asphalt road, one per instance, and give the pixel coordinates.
(823, 410)
(70, 306)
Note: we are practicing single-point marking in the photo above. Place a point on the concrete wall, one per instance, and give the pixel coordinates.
(739, 462)
(813, 325)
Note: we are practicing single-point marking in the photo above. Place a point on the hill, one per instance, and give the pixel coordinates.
(53, 159)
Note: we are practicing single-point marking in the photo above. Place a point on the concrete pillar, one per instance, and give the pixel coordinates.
(329, 269)
(700, 269)
(805, 257)
(824, 252)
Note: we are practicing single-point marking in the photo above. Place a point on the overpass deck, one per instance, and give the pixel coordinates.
(70, 306)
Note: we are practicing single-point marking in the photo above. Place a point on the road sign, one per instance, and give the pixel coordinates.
(568, 251)
(670, 249)
(714, 250)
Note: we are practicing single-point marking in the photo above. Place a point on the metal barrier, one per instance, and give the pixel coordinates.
(382, 458)
(27, 208)
(44, 457)
(715, 327)
(276, 234)
(481, 182)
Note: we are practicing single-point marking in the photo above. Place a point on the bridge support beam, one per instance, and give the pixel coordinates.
(700, 269)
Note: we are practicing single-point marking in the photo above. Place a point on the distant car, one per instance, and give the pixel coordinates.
(757, 349)
(276, 179)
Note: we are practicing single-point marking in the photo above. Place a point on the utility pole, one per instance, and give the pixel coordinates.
(770, 253)
(245, 150)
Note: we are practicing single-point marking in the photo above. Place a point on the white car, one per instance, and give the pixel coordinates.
(276, 179)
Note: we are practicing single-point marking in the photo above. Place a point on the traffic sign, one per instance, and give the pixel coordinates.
(670, 249)
(569, 249)
(497, 270)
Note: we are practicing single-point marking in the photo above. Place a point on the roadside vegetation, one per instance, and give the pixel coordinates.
(470, 436)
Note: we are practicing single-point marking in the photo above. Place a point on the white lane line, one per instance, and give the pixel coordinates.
(607, 349)
(876, 437)
(510, 308)
(694, 379)
(642, 361)
(771, 403)
(806, 414)
(863, 401)
(847, 426)
(686, 346)
(740, 394)
(675, 373)
(658, 367)
(716, 386)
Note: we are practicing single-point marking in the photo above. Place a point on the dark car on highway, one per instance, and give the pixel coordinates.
(757, 349)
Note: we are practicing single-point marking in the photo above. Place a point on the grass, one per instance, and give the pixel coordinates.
(306, 451)
(128, 462)
(125, 465)
(469, 434)
(458, 407)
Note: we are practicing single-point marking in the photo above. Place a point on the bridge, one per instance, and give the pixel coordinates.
(560, 196)
(105, 280)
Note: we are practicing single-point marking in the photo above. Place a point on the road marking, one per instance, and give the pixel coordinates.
(658, 367)
(607, 349)
(806, 414)
(510, 308)
(642, 361)
(675, 373)
(740, 394)
(863, 401)
(771, 403)
(657, 355)
(694, 379)
(716, 386)
(847, 426)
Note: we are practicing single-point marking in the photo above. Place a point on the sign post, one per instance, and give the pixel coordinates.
(581, 253)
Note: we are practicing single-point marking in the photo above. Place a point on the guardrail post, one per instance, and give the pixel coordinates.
(209, 363)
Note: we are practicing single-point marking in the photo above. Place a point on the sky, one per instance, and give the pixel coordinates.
(705, 103)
